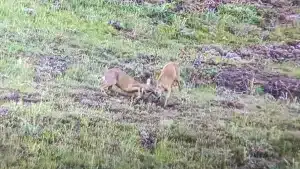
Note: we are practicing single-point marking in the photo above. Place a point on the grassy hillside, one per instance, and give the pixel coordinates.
(239, 68)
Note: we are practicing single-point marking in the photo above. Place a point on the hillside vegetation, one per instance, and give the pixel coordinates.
(240, 73)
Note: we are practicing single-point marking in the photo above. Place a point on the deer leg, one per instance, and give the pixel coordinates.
(176, 83)
(105, 86)
(139, 92)
(134, 90)
(128, 94)
(131, 89)
(142, 90)
(131, 100)
(148, 89)
(178, 79)
(179, 85)
(167, 96)
(139, 95)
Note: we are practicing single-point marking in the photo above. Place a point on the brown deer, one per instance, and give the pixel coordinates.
(128, 85)
(169, 75)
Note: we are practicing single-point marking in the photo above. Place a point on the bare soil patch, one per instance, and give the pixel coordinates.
(50, 67)
(7, 95)
(279, 52)
(243, 70)
(289, 51)
(244, 80)
(147, 111)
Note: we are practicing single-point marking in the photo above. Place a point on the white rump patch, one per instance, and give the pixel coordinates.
(148, 82)
(103, 78)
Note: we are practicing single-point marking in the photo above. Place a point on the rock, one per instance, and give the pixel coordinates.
(296, 52)
(166, 122)
(197, 62)
(89, 103)
(14, 95)
(140, 2)
(179, 7)
(244, 52)
(3, 111)
(265, 35)
(29, 11)
(148, 140)
(296, 2)
(187, 32)
(231, 55)
(56, 5)
(115, 24)
(293, 18)
(217, 48)
(232, 104)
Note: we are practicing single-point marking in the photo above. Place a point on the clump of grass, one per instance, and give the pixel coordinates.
(240, 13)
(16, 73)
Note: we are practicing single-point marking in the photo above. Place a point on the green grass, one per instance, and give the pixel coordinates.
(66, 133)
(16, 73)
(288, 68)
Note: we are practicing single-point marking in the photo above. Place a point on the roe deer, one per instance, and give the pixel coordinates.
(169, 75)
(128, 85)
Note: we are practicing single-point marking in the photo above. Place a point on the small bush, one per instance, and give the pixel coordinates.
(242, 14)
